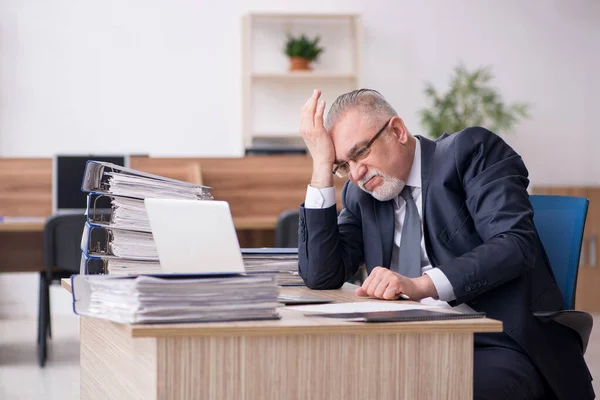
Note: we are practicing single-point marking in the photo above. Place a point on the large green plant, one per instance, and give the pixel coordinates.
(303, 47)
(470, 101)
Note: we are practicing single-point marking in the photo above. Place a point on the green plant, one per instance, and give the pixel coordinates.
(303, 47)
(470, 101)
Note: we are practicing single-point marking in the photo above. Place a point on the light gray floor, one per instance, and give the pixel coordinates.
(20, 376)
(22, 379)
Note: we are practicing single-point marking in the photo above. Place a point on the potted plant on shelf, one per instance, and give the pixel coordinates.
(302, 51)
(470, 101)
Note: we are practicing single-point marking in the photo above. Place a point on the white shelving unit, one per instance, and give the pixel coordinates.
(272, 95)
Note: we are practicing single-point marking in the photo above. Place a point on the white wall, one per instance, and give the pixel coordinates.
(163, 77)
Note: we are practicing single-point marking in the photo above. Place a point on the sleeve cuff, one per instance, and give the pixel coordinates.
(319, 198)
(442, 284)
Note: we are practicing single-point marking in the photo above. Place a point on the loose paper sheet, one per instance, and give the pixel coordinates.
(365, 306)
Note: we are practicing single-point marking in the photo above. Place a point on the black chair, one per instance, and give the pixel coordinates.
(286, 230)
(62, 258)
(286, 235)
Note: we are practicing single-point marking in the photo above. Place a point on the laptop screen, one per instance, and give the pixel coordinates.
(194, 236)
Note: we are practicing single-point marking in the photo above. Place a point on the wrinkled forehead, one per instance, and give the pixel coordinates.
(350, 129)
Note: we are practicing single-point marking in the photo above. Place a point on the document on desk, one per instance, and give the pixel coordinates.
(360, 307)
(282, 261)
(372, 311)
(175, 298)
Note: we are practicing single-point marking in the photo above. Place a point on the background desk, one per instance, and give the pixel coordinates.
(22, 243)
(292, 358)
(21, 246)
(257, 188)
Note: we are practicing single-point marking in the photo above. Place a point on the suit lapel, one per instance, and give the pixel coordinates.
(427, 152)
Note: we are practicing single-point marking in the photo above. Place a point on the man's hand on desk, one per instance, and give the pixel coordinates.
(388, 285)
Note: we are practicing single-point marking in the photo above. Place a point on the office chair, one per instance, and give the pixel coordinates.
(286, 230)
(286, 235)
(62, 258)
(560, 222)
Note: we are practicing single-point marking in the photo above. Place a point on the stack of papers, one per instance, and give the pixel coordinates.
(117, 266)
(141, 187)
(283, 262)
(130, 214)
(132, 244)
(155, 299)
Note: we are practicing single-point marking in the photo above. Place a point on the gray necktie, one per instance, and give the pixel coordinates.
(410, 242)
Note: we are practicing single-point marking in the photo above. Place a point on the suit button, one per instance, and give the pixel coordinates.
(478, 285)
(467, 288)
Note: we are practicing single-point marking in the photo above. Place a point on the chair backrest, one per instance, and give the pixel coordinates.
(286, 230)
(560, 221)
(62, 241)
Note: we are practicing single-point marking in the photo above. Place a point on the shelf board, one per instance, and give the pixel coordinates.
(302, 75)
(275, 134)
(302, 15)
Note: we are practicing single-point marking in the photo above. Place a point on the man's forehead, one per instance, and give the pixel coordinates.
(351, 126)
(349, 130)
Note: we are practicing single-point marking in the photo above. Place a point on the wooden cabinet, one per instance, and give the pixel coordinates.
(587, 297)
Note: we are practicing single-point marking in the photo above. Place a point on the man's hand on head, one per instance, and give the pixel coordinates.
(317, 140)
(388, 285)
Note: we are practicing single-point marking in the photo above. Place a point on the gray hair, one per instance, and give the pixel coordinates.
(368, 101)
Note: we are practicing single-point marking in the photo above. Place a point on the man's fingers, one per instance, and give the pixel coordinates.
(372, 276)
(319, 113)
(308, 111)
(375, 275)
(369, 278)
(381, 289)
(391, 292)
(312, 105)
(360, 292)
(370, 289)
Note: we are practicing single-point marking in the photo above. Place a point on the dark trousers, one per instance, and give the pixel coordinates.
(503, 371)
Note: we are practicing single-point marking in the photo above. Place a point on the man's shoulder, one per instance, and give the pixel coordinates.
(471, 135)
(468, 142)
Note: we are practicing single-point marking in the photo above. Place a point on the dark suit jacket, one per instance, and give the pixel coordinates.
(478, 229)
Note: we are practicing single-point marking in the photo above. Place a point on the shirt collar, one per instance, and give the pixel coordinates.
(414, 177)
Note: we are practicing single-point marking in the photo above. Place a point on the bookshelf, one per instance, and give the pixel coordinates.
(272, 96)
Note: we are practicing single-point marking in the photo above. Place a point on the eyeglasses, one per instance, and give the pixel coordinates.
(342, 169)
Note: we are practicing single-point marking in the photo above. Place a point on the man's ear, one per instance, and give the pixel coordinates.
(399, 130)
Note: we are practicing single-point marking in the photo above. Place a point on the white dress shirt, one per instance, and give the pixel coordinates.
(324, 198)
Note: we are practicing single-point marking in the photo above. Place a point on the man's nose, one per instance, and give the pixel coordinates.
(357, 170)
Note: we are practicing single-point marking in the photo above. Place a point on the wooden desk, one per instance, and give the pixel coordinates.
(293, 358)
(22, 243)
(22, 246)
(241, 223)
(22, 226)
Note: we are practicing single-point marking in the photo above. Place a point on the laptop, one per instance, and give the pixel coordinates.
(194, 236)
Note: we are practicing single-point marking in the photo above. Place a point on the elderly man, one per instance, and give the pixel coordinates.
(445, 222)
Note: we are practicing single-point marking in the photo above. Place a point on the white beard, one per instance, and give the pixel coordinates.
(389, 189)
